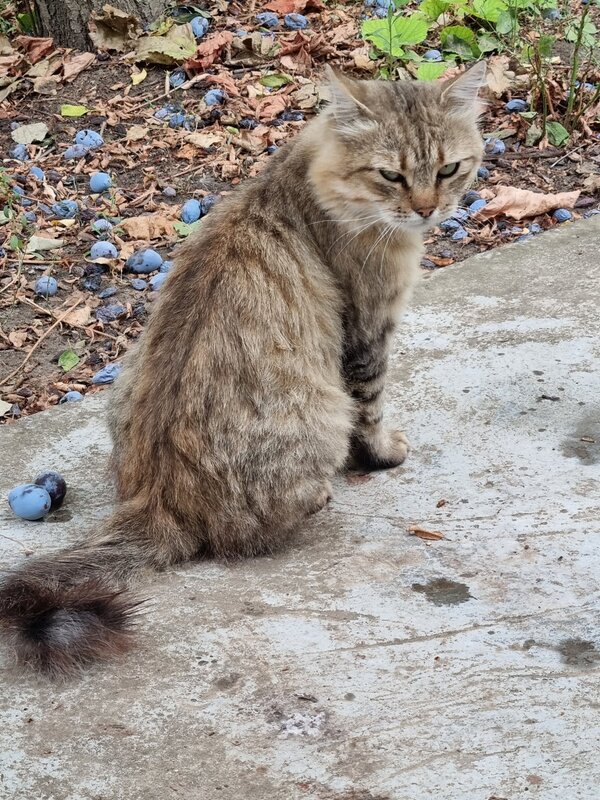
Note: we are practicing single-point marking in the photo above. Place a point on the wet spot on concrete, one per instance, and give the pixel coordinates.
(584, 442)
(443, 592)
(227, 681)
(579, 652)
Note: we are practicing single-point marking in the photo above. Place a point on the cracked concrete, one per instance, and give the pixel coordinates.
(364, 663)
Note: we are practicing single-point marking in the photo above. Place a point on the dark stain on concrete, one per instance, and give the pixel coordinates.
(60, 515)
(443, 592)
(579, 652)
(584, 442)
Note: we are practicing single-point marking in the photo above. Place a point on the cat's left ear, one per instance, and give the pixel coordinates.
(348, 102)
(461, 94)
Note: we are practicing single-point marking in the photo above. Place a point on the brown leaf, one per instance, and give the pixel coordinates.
(362, 60)
(35, 47)
(519, 203)
(439, 261)
(17, 338)
(209, 50)
(592, 183)
(300, 62)
(74, 64)
(6, 48)
(269, 107)
(496, 78)
(148, 227)
(78, 317)
(225, 81)
(113, 29)
(343, 34)
(423, 533)
(290, 6)
(204, 140)
(136, 133)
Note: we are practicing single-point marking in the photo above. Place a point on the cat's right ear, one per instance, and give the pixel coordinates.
(347, 103)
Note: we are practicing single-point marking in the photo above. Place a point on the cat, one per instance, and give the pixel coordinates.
(260, 374)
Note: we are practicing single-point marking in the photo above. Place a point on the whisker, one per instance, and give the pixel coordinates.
(379, 239)
(357, 233)
(350, 219)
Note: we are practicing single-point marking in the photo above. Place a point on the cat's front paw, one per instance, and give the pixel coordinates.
(385, 450)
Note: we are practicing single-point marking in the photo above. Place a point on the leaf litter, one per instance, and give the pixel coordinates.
(163, 144)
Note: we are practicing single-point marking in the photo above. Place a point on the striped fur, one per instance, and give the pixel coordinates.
(261, 372)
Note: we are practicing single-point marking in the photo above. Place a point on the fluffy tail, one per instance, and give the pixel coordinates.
(66, 610)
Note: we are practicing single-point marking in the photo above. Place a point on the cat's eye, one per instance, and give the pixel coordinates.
(448, 170)
(395, 177)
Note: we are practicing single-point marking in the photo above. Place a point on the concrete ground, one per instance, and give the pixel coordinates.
(364, 663)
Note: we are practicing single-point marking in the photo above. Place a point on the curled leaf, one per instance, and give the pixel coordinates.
(423, 533)
(520, 203)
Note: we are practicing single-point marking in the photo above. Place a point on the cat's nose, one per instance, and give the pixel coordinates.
(425, 211)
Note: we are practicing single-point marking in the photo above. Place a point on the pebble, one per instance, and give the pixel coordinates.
(139, 284)
(169, 191)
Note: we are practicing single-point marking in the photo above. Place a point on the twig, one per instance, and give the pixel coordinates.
(38, 343)
(566, 155)
(26, 550)
(8, 285)
(43, 310)
(519, 155)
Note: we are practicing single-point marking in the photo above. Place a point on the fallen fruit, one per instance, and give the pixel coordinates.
(110, 313)
(46, 286)
(19, 152)
(562, 215)
(70, 397)
(166, 266)
(177, 78)
(295, 22)
(100, 182)
(139, 284)
(267, 19)
(107, 374)
(144, 261)
(516, 105)
(89, 139)
(102, 226)
(55, 485)
(483, 173)
(477, 206)
(75, 151)
(191, 212)
(199, 26)
(103, 250)
(495, 147)
(65, 209)
(450, 225)
(215, 97)
(29, 501)
(470, 197)
(432, 55)
(208, 202)
(459, 233)
(157, 281)
(37, 173)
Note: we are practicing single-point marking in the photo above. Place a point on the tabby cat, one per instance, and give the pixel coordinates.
(261, 371)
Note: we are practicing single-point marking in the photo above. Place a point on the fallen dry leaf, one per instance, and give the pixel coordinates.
(592, 183)
(113, 29)
(74, 64)
(291, 6)
(35, 47)
(204, 140)
(136, 133)
(17, 338)
(209, 50)
(148, 227)
(520, 203)
(269, 107)
(423, 533)
(345, 33)
(77, 318)
(225, 81)
(496, 78)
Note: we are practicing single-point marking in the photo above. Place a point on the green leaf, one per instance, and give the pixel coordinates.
(26, 22)
(489, 10)
(15, 243)
(276, 80)
(390, 35)
(460, 40)
(557, 133)
(488, 43)
(68, 359)
(184, 229)
(429, 70)
(73, 111)
(435, 8)
(506, 23)
(545, 45)
(528, 115)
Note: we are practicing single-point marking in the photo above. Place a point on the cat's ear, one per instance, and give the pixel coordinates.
(461, 94)
(348, 102)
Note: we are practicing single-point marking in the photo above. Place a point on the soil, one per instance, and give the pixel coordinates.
(141, 171)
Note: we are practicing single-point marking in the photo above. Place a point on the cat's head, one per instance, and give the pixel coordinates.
(400, 152)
